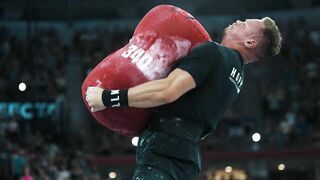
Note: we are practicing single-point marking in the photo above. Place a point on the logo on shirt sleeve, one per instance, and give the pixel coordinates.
(236, 79)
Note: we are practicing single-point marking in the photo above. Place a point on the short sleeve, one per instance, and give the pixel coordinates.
(198, 63)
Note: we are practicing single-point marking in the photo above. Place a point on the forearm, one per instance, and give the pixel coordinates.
(149, 94)
(163, 91)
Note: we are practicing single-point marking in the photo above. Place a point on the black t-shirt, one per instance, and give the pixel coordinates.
(218, 72)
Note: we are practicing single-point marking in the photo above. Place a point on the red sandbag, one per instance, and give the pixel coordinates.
(165, 34)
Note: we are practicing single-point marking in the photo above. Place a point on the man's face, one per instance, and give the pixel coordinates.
(242, 30)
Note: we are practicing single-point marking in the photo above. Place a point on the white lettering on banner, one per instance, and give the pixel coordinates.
(138, 57)
(26, 110)
(236, 79)
(41, 109)
(52, 108)
(29, 110)
(13, 108)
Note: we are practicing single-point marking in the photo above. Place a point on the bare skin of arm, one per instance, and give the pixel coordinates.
(163, 91)
(149, 94)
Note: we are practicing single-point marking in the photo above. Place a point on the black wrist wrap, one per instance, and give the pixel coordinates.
(115, 98)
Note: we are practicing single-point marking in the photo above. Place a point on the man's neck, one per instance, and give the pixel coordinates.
(245, 55)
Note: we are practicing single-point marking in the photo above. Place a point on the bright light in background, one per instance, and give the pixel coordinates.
(135, 140)
(281, 167)
(22, 86)
(228, 169)
(112, 175)
(256, 137)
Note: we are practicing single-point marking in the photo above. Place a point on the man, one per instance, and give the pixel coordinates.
(191, 100)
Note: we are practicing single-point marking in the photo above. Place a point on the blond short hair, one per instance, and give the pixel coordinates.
(273, 39)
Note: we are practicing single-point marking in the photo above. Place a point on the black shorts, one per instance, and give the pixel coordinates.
(154, 165)
(147, 172)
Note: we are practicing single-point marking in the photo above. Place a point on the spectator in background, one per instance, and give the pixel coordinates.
(26, 175)
(18, 162)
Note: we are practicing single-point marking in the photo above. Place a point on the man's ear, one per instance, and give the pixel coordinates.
(250, 43)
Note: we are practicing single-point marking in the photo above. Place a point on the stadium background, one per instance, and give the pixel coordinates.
(47, 48)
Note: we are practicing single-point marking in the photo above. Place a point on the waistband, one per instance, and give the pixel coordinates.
(177, 126)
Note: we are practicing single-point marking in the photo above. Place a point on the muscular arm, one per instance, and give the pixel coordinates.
(149, 94)
(192, 71)
(163, 91)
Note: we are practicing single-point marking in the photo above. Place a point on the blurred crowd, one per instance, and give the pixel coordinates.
(38, 150)
(37, 61)
(288, 87)
(290, 99)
